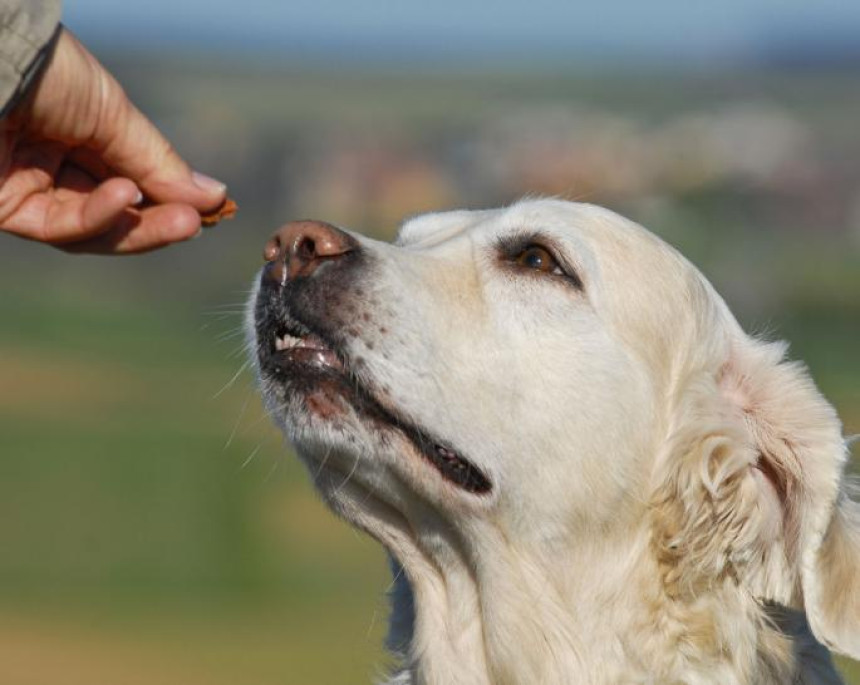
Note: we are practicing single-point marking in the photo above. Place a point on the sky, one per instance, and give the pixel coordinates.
(657, 30)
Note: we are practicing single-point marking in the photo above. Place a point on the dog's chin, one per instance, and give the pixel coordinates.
(327, 411)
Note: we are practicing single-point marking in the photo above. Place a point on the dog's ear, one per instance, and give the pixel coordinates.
(751, 491)
(831, 581)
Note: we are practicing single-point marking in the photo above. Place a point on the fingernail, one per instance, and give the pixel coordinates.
(138, 198)
(207, 183)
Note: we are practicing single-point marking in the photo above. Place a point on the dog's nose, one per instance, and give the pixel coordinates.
(298, 248)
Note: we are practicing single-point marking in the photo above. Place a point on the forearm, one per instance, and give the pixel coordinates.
(27, 29)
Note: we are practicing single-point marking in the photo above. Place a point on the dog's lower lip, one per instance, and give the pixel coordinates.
(308, 349)
(313, 356)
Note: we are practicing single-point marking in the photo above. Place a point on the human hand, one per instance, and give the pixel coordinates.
(77, 159)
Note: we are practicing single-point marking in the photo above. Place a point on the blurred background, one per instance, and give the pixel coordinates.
(153, 528)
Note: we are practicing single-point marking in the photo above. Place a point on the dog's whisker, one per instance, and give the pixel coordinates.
(238, 420)
(275, 465)
(224, 314)
(372, 624)
(242, 350)
(394, 579)
(233, 307)
(229, 383)
(250, 457)
(323, 462)
(349, 476)
(229, 334)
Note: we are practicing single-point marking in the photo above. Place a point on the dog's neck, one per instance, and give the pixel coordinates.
(499, 616)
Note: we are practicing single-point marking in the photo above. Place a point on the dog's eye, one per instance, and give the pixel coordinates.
(527, 254)
(537, 258)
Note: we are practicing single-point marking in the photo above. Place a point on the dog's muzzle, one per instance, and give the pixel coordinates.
(304, 320)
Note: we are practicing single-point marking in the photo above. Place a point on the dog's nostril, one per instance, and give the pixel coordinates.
(272, 250)
(306, 249)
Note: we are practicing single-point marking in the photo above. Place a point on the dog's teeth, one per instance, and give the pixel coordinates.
(286, 343)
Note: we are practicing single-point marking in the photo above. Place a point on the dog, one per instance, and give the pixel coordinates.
(583, 469)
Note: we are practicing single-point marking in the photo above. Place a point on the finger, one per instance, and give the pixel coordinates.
(106, 204)
(77, 209)
(31, 170)
(143, 231)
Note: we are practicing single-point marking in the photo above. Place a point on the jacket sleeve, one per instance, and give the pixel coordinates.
(27, 30)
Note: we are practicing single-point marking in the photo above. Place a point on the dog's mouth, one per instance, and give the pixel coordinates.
(303, 360)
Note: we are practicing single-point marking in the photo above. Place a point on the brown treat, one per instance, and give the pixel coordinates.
(226, 211)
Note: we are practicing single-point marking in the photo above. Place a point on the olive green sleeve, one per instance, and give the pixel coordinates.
(27, 30)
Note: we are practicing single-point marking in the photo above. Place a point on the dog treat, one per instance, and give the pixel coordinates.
(226, 211)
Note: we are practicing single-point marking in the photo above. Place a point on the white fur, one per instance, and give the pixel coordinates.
(635, 532)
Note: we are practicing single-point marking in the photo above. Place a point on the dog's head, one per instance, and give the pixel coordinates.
(547, 372)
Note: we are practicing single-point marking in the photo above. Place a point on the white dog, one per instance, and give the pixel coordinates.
(586, 472)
